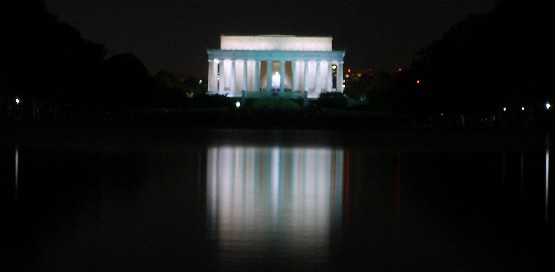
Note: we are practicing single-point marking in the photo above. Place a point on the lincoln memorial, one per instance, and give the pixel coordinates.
(275, 63)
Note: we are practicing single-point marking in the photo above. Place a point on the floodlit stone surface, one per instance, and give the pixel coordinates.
(276, 42)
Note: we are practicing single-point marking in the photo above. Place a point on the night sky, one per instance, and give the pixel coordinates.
(174, 35)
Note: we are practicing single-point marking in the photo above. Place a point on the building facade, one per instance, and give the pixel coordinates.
(275, 63)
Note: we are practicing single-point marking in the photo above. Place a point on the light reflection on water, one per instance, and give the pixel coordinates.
(16, 170)
(547, 180)
(291, 196)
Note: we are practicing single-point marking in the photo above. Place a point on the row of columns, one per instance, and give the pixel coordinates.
(218, 76)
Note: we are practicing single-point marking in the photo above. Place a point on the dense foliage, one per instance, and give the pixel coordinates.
(503, 58)
(333, 100)
(56, 74)
(45, 63)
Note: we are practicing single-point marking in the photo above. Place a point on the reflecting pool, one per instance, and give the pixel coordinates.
(276, 201)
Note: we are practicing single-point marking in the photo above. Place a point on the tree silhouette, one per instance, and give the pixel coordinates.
(504, 56)
(130, 86)
(46, 61)
(170, 91)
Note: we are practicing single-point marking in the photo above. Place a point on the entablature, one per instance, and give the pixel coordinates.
(276, 55)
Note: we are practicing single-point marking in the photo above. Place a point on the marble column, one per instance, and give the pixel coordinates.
(221, 76)
(282, 76)
(305, 77)
(257, 75)
(245, 82)
(211, 75)
(233, 85)
(340, 76)
(318, 77)
(268, 75)
(329, 86)
(293, 75)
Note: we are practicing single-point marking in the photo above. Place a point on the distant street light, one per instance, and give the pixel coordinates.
(237, 104)
(547, 106)
(17, 100)
(522, 108)
(504, 108)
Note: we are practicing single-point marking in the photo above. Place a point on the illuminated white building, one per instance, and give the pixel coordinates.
(274, 62)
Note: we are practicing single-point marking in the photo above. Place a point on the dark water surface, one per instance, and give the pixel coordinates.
(276, 200)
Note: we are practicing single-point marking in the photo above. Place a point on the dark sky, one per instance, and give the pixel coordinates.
(174, 35)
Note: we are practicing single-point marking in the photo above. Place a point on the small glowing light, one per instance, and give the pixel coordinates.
(399, 69)
(17, 101)
(547, 106)
(334, 67)
(237, 104)
(522, 108)
(504, 108)
(200, 82)
(418, 81)
(349, 70)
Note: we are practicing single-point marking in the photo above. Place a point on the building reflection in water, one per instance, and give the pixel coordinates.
(273, 202)
(547, 147)
(16, 170)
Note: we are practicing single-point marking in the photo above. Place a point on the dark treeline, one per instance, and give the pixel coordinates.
(495, 63)
(488, 65)
(47, 66)
(55, 74)
(489, 69)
